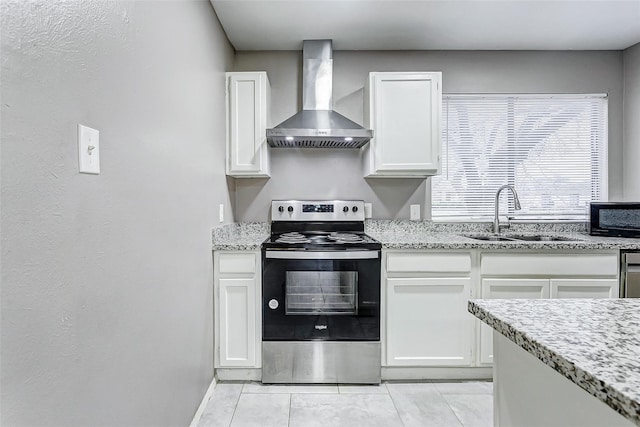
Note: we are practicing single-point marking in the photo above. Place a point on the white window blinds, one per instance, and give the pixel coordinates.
(552, 148)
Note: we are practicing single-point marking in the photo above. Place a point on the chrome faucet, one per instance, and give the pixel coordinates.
(516, 204)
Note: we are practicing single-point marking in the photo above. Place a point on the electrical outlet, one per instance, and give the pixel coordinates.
(221, 213)
(367, 210)
(415, 213)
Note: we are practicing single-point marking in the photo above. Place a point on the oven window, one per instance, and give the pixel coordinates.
(321, 292)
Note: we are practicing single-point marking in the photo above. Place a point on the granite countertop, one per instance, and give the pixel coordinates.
(400, 240)
(246, 236)
(429, 235)
(595, 343)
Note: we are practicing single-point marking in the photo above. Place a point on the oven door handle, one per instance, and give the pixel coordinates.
(322, 255)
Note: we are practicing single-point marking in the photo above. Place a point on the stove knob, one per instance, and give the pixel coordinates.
(355, 209)
(345, 209)
(280, 208)
(290, 208)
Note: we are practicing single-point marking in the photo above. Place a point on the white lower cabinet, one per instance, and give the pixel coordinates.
(553, 274)
(504, 289)
(237, 306)
(426, 323)
(582, 288)
(426, 320)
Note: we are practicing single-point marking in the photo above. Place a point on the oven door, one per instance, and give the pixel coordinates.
(321, 295)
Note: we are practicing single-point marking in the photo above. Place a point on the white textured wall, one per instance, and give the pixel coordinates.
(336, 173)
(107, 280)
(631, 59)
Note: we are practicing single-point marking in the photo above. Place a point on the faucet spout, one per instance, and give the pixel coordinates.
(516, 204)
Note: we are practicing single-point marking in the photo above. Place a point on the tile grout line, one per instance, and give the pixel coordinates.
(237, 401)
(450, 408)
(394, 405)
(289, 420)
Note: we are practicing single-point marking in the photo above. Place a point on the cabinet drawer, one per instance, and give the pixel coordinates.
(428, 262)
(549, 265)
(237, 263)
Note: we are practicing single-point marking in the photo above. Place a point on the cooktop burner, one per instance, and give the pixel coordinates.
(319, 225)
(320, 240)
(345, 237)
(292, 237)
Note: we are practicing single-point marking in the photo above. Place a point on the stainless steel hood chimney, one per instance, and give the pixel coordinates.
(317, 125)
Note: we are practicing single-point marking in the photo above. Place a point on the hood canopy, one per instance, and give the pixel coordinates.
(317, 125)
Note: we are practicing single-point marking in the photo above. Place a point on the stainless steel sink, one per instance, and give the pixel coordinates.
(543, 238)
(521, 238)
(488, 237)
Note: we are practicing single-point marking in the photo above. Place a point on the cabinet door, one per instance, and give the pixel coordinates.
(503, 289)
(247, 109)
(584, 288)
(237, 305)
(427, 322)
(404, 113)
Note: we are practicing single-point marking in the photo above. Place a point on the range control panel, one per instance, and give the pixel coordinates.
(313, 210)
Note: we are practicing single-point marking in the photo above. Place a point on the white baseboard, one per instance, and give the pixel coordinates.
(203, 404)
(402, 373)
(239, 374)
(398, 373)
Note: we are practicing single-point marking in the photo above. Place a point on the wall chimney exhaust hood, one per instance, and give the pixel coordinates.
(317, 125)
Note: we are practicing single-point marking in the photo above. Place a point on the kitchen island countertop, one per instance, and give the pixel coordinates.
(595, 343)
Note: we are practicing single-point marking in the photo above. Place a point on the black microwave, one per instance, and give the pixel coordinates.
(615, 219)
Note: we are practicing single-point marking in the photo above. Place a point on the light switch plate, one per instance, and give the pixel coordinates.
(88, 150)
(415, 213)
(367, 210)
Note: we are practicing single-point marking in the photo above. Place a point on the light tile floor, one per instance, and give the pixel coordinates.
(460, 404)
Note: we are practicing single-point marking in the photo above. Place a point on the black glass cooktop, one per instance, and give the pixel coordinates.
(321, 240)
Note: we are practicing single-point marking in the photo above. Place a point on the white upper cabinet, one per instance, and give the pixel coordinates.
(403, 110)
(247, 98)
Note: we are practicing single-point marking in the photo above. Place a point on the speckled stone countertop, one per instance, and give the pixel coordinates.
(429, 235)
(245, 236)
(593, 342)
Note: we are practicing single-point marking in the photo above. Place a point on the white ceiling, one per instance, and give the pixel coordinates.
(432, 24)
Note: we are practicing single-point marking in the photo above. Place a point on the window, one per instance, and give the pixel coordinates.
(551, 148)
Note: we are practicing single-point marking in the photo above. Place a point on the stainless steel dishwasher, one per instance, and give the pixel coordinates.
(630, 274)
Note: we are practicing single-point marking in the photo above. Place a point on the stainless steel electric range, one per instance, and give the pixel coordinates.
(320, 295)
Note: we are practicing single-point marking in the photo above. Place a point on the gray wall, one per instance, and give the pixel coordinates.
(631, 59)
(333, 173)
(107, 279)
